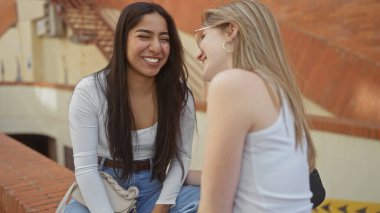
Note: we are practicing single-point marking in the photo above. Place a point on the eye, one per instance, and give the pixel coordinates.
(203, 35)
(164, 39)
(143, 36)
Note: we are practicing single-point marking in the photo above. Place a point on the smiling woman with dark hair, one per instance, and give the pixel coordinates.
(137, 115)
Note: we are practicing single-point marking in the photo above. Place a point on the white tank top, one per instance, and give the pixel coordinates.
(274, 174)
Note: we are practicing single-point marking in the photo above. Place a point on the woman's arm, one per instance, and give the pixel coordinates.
(83, 120)
(228, 122)
(193, 177)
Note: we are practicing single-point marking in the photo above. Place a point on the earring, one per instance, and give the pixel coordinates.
(225, 49)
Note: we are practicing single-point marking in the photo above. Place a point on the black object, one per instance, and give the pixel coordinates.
(316, 188)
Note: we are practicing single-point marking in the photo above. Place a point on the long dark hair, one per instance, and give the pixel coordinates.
(172, 93)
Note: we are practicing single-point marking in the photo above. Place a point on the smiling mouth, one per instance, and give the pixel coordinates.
(152, 60)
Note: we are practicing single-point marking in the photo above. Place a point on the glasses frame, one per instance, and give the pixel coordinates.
(198, 37)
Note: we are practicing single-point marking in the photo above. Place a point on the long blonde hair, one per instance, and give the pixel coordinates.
(258, 47)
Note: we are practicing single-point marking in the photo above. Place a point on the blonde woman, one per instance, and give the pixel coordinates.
(259, 149)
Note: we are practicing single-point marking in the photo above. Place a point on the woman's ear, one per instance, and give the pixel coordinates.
(232, 30)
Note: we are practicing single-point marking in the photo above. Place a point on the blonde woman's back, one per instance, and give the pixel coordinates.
(274, 173)
(271, 172)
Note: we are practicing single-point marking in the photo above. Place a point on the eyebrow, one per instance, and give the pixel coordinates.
(150, 32)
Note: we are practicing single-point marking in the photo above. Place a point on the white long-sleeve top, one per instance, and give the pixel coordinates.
(87, 113)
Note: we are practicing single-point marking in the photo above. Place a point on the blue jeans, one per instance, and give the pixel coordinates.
(149, 190)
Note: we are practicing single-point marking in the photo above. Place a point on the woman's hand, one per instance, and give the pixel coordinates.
(161, 208)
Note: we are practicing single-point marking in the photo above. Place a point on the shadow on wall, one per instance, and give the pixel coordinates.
(43, 144)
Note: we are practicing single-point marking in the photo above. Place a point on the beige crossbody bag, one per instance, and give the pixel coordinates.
(122, 200)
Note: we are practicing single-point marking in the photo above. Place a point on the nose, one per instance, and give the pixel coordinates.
(155, 45)
(201, 56)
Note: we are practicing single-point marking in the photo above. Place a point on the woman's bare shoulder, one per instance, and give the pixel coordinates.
(244, 92)
(238, 80)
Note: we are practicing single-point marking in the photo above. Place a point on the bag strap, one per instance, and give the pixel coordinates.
(63, 202)
(130, 193)
(102, 161)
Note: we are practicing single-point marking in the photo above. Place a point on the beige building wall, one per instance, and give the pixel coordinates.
(349, 166)
(36, 110)
(9, 54)
(67, 62)
(27, 11)
(313, 108)
(42, 58)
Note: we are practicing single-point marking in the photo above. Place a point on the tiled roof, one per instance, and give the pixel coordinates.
(334, 47)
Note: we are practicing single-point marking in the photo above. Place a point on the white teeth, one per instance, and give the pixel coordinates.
(152, 60)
